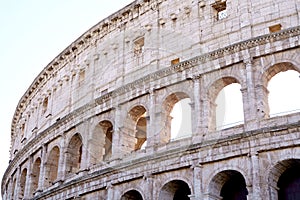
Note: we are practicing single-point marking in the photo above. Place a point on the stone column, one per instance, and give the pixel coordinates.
(116, 139)
(156, 125)
(204, 109)
(151, 134)
(249, 98)
(256, 193)
(197, 179)
(42, 169)
(110, 191)
(62, 159)
(149, 186)
(196, 110)
(17, 186)
(28, 179)
(84, 163)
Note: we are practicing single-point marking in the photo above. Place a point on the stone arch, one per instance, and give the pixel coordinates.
(51, 166)
(175, 190)
(74, 154)
(135, 128)
(167, 107)
(214, 89)
(227, 184)
(267, 75)
(100, 144)
(281, 66)
(132, 195)
(22, 183)
(35, 176)
(284, 180)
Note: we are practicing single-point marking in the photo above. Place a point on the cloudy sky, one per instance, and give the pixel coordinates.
(32, 33)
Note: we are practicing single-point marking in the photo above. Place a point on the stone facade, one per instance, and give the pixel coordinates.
(77, 132)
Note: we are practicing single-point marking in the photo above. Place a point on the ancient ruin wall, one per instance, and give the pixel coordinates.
(78, 129)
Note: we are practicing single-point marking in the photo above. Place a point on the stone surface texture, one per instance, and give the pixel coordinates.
(78, 129)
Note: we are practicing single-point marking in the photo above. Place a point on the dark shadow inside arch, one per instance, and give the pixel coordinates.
(175, 190)
(132, 195)
(289, 182)
(234, 188)
(74, 154)
(228, 185)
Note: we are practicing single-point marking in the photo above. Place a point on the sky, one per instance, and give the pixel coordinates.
(33, 32)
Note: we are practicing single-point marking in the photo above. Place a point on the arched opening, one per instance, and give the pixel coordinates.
(229, 107)
(284, 97)
(175, 190)
(132, 195)
(284, 180)
(272, 88)
(22, 183)
(181, 125)
(228, 185)
(35, 176)
(136, 128)
(289, 183)
(74, 154)
(101, 142)
(226, 104)
(51, 167)
(177, 117)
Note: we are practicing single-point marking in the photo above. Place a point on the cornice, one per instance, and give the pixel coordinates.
(137, 84)
(173, 153)
(198, 60)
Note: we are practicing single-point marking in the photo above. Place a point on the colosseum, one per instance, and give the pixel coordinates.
(96, 122)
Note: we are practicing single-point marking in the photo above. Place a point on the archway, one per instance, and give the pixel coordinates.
(35, 176)
(23, 183)
(175, 190)
(226, 104)
(286, 86)
(132, 195)
(51, 166)
(284, 180)
(228, 185)
(229, 107)
(100, 144)
(283, 98)
(74, 154)
(136, 128)
(177, 117)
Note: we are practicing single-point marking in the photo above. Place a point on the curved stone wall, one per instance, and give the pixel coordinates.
(96, 124)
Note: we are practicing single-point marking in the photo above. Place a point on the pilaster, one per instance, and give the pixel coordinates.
(61, 162)
(151, 133)
(42, 169)
(256, 189)
(196, 110)
(116, 139)
(28, 178)
(110, 191)
(149, 186)
(197, 179)
(249, 98)
(17, 186)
